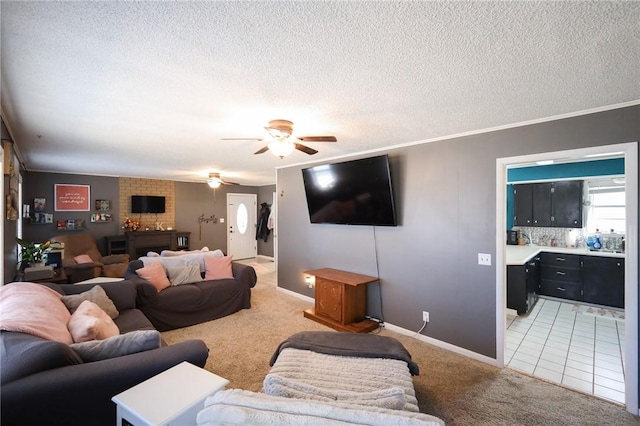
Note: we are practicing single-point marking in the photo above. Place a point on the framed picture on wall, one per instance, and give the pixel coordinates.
(103, 205)
(39, 204)
(71, 198)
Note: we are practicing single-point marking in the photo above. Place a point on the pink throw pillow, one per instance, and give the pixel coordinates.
(218, 268)
(89, 322)
(83, 258)
(155, 274)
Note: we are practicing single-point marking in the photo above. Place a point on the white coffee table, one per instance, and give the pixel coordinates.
(173, 397)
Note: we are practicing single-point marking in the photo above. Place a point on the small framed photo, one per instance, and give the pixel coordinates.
(39, 204)
(101, 218)
(103, 205)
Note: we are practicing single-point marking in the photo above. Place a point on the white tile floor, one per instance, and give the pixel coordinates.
(579, 351)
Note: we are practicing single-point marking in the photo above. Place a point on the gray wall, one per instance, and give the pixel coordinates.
(446, 199)
(192, 200)
(196, 199)
(40, 185)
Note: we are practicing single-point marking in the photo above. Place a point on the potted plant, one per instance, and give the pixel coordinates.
(32, 254)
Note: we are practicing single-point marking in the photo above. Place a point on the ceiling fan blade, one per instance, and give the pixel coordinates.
(241, 139)
(226, 182)
(317, 138)
(262, 150)
(305, 149)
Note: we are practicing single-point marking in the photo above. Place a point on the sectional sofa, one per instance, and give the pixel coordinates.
(45, 382)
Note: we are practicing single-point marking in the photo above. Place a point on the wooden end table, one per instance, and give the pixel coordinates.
(341, 300)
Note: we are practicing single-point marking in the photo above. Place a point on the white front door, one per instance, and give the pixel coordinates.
(242, 212)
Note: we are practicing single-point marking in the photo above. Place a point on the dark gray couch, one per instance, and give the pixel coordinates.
(46, 383)
(189, 304)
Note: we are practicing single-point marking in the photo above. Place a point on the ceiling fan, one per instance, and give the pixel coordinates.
(282, 142)
(214, 181)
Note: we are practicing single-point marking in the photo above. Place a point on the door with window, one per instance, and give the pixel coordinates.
(241, 225)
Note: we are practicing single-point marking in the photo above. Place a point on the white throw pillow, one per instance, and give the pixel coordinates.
(180, 275)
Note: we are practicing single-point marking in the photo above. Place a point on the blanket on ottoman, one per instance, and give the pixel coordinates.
(362, 369)
(348, 344)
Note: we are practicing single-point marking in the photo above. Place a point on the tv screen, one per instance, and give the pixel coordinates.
(147, 204)
(357, 192)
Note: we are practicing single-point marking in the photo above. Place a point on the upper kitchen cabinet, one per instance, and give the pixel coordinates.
(542, 214)
(557, 204)
(523, 204)
(566, 203)
(532, 204)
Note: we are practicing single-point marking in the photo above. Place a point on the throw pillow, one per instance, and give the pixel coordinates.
(113, 347)
(89, 322)
(97, 295)
(155, 274)
(218, 268)
(179, 275)
(83, 258)
(34, 309)
(152, 254)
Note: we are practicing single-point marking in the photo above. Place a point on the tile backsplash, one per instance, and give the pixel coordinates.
(567, 237)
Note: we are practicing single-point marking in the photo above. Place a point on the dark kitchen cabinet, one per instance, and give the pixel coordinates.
(566, 203)
(522, 286)
(560, 276)
(541, 204)
(523, 204)
(552, 204)
(603, 281)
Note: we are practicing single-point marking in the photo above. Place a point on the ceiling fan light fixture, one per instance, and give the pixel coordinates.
(281, 147)
(214, 183)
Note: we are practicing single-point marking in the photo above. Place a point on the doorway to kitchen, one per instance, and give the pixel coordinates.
(629, 331)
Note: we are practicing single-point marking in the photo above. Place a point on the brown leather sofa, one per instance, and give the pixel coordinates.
(80, 243)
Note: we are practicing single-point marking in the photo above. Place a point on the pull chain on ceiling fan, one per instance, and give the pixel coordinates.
(282, 142)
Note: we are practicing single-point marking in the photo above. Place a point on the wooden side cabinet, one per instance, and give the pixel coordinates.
(341, 300)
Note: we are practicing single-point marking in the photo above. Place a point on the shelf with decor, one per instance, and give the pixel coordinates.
(70, 225)
(182, 240)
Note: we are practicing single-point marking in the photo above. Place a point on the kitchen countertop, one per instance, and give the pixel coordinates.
(519, 255)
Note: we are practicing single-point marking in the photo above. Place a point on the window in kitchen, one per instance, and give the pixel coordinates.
(606, 209)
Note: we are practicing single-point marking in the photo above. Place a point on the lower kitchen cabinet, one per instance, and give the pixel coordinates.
(603, 281)
(560, 276)
(584, 278)
(522, 286)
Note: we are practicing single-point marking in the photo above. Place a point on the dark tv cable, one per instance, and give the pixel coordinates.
(375, 247)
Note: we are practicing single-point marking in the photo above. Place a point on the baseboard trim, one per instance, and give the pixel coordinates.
(410, 333)
(441, 344)
(311, 300)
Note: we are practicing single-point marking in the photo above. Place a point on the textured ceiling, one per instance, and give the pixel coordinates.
(148, 89)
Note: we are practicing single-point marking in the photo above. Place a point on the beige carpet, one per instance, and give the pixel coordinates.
(457, 389)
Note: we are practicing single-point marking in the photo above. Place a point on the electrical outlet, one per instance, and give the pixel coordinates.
(309, 281)
(425, 316)
(484, 259)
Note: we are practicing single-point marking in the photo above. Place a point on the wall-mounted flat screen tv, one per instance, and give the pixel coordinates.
(357, 192)
(147, 204)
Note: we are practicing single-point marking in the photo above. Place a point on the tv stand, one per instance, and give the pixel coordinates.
(341, 300)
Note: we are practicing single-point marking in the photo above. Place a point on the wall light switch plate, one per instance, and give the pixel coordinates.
(484, 259)
(221, 220)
